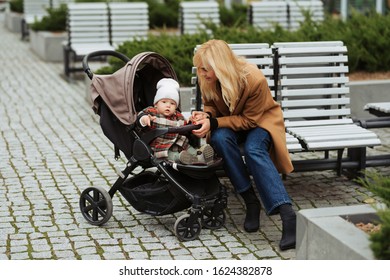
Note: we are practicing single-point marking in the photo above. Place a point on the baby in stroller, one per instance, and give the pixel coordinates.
(172, 146)
(157, 187)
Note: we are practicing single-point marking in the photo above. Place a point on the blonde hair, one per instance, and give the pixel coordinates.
(229, 69)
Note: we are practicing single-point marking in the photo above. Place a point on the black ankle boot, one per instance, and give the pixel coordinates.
(252, 218)
(289, 224)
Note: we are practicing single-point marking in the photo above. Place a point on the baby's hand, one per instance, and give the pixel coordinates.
(147, 120)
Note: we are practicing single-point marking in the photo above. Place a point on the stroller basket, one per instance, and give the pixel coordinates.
(150, 194)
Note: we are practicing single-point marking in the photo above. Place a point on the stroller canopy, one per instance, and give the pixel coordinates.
(131, 88)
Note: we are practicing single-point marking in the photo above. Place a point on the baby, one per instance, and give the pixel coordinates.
(164, 113)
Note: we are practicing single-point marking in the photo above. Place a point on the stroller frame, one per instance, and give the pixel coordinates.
(206, 210)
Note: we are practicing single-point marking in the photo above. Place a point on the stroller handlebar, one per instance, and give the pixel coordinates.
(183, 129)
(154, 133)
(91, 55)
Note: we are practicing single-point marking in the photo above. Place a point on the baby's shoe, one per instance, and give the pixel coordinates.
(186, 158)
(207, 154)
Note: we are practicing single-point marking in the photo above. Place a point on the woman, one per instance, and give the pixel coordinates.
(239, 109)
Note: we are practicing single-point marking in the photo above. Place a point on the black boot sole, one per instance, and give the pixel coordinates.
(251, 229)
(287, 247)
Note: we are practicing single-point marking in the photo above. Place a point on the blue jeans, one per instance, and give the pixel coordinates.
(256, 141)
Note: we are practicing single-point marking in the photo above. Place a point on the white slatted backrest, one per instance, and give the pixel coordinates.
(129, 21)
(256, 53)
(88, 23)
(34, 10)
(297, 10)
(58, 3)
(267, 14)
(259, 54)
(313, 82)
(192, 15)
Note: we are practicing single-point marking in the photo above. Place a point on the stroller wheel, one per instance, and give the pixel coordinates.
(187, 228)
(96, 205)
(212, 220)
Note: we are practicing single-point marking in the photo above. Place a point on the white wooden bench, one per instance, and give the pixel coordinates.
(261, 55)
(313, 92)
(381, 111)
(298, 9)
(287, 14)
(88, 31)
(194, 16)
(128, 21)
(309, 80)
(268, 14)
(33, 10)
(378, 108)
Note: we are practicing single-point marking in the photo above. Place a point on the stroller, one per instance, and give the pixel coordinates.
(162, 187)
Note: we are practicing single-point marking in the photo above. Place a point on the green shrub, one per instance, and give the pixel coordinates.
(16, 6)
(178, 50)
(236, 16)
(54, 21)
(163, 14)
(380, 186)
(86, 1)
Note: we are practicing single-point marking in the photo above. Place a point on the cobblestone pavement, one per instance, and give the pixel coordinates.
(52, 148)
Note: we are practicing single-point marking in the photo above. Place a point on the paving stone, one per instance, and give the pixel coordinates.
(20, 256)
(65, 255)
(52, 148)
(42, 255)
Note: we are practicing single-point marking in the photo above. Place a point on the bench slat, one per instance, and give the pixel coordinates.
(312, 113)
(315, 70)
(314, 92)
(313, 59)
(314, 102)
(333, 145)
(313, 81)
(291, 124)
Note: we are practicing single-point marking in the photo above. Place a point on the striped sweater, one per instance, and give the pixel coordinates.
(168, 141)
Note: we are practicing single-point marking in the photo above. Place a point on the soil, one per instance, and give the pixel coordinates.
(368, 227)
(361, 76)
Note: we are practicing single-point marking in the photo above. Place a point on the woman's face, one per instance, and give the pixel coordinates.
(207, 73)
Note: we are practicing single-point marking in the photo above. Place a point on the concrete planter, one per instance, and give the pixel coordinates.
(13, 22)
(330, 233)
(48, 45)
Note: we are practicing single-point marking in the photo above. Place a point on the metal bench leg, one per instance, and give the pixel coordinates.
(358, 155)
(66, 61)
(24, 29)
(326, 154)
(339, 160)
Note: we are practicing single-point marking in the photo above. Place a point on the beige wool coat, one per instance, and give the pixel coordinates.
(255, 108)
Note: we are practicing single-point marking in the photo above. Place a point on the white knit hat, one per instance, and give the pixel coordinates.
(167, 88)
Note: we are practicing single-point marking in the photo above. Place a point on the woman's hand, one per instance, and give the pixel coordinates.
(204, 129)
(198, 115)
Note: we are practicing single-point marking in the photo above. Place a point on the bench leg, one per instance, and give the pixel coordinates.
(358, 155)
(339, 160)
(66, 61)
(24, 29)
(326, 154)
